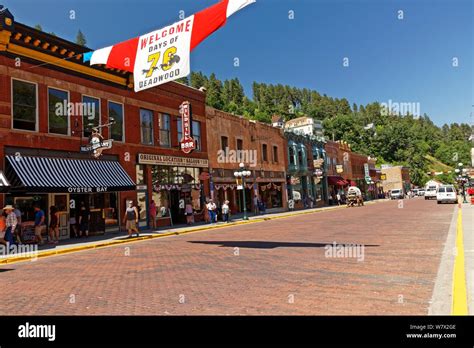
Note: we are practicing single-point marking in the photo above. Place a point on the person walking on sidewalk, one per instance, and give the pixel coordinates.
(338, 197)
(10, 223)
(189, 212)
(153, 212)
(211, 207)
(39, 222)
(131, 219)
(84, 216)
(53, 225)
(225, 211)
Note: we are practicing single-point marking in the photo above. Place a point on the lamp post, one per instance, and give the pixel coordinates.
(243, 173)
(462, 172)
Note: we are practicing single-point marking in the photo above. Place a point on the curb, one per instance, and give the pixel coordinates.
(100, 245)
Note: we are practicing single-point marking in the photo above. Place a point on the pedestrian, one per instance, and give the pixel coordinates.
(211, 207)
(17, 233)
(53, 225)
(84, 217)
(39, 223)
(225, 211)
(338, 197)
(153, 214)
(255, 205)
(189, 212)
(3, 227)
(10, 224)
(131, 219)
(73, 226)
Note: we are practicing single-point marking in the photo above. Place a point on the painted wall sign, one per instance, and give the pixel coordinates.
(144, 158)
(187, 141)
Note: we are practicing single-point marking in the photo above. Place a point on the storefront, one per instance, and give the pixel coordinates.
(67, 183)
(175, 182)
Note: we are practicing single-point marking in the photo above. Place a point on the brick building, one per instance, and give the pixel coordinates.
(396, 177)
(261, 147)
(40, 150)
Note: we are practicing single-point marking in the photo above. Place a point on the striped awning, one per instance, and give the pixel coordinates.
(44, 174)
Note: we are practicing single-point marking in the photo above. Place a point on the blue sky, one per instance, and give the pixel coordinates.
(408, 60)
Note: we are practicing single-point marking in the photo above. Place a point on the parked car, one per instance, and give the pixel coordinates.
(421, 192)
(430, 192)
(396, 194)
(446, 194)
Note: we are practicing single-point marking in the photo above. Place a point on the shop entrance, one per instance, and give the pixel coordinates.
(61, 202)
(177, 205)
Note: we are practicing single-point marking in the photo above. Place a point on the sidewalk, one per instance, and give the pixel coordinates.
(468, 233)
(94, 242)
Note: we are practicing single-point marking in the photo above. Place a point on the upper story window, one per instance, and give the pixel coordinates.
(224, 143)
(275, 154)
(240, 144)
(146, 125)
(165, 129)
(196, 129)
(58, 115)
(116, 113)
(292, 155)
(300, 157)
(264, 153)
(25, 112)
(91, 114)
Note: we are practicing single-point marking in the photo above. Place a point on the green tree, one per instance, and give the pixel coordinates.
(81, 38)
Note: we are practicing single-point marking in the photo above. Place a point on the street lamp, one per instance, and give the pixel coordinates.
(462, 174)
(243, 173)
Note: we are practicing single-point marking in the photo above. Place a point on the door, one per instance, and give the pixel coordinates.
(61, 202)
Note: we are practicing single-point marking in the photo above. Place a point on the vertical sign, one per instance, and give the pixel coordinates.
(366, 170)
(187, 142)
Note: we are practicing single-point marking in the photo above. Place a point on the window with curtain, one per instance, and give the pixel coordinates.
(146, 123)
(165, 127)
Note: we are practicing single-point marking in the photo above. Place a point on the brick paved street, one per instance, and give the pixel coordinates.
(272, 267)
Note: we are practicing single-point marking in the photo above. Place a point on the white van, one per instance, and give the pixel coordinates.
(431, 188)
(446, 193)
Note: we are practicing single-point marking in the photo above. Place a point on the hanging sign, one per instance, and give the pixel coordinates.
(96, 145)
(187, 141)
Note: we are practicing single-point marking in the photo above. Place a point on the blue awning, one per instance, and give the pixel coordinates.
(45, 174)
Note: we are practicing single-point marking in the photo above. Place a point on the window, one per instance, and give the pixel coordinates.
(146, 124)
(292, 155)
(180, 129)
(90, 115)
(140, 172)
(165, 130)
(264, 153)
(300, 157)
(24, 105)
(275, 154)
(58, 116)
(240, 144)
(224, 143)
(116, 113)
(196, 129)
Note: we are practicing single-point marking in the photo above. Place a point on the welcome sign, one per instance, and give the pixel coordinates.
(163, 55)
